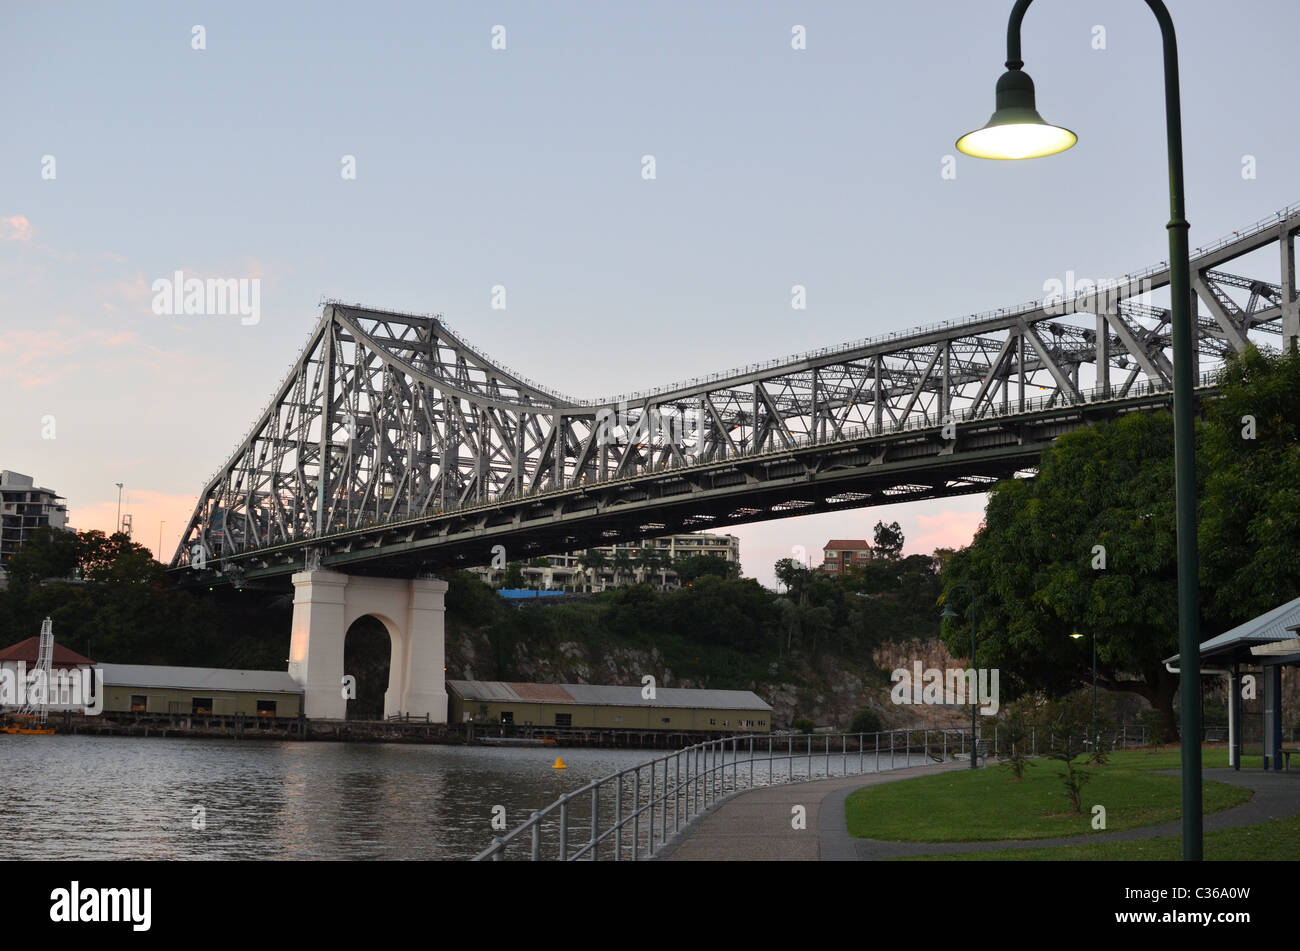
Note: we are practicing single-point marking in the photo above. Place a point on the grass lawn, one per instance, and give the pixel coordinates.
(1278, 840)
(989, 804)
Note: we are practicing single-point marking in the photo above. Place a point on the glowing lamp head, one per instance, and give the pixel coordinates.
(1016, 130)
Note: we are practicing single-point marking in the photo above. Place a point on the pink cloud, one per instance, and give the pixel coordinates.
(945, 529)
(15, 228)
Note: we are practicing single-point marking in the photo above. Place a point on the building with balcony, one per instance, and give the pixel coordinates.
(624, 563)
(24, 508)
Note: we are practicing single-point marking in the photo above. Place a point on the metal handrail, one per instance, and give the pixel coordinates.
(685, 783)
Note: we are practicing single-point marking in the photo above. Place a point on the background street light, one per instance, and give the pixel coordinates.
(1093, 638)
(1017, 131)
(948, 612)
(117, 526)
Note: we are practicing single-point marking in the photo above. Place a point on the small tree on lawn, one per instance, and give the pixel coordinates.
(1066, 745)
(1016, 729)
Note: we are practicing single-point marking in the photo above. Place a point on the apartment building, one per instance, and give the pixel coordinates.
(623, 563)
(25, 507)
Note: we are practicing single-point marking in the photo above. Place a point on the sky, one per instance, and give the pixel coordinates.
(128, 154)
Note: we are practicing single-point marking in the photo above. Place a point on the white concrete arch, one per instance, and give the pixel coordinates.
(327, 603)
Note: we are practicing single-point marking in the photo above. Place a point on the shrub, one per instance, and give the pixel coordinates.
(865, 721)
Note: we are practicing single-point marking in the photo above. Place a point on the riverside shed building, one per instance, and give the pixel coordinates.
(594, 706)
(141, 688)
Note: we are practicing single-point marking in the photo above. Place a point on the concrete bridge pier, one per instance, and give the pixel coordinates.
(325, 605)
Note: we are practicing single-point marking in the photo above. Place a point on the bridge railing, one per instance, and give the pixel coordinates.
(633, 813)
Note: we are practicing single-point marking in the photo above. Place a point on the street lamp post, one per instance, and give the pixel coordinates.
(1016, 130)
(948, 612)
(117, 526)
(1093, 638)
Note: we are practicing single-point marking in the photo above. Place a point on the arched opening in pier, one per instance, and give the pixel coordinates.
(367, 656)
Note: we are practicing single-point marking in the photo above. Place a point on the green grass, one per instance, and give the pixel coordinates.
(1277, 840)
(988, 805)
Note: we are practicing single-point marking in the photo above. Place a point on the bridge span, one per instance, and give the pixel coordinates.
(393, 447)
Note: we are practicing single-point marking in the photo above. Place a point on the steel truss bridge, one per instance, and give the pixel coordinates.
(394, 446)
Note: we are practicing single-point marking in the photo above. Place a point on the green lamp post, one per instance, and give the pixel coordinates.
(948, 612)
(1017, 131)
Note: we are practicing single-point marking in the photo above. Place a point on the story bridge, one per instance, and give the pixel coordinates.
(394, 446)
(394, 449)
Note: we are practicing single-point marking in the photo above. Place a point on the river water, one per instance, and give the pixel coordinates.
(86, 797)
(80, 797)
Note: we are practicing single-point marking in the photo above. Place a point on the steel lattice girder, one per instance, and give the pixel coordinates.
(389, 420)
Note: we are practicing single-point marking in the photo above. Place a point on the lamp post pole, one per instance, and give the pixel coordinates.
(1015, 117)
(117, 526)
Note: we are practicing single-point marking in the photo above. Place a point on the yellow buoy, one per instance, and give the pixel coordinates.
(559, 763)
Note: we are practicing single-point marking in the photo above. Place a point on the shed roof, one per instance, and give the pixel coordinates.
(29, 650)
(498, 691)
(199, 678)
(1274, 625)
(847, 544)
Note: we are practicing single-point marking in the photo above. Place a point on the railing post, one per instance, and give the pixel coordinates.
(636, 813)
(995, 739)
(844, 752)
(595, 820)
(1033, 739)
(810, 756)
(735, 764)
(537, 837)
(564, 828)
(751, 761)
(650, 839)
(496, 843)
(677, 790)
(891, 748)
(927, 746)
(618, 818)
(945, 746)
(877, 751)
(709, 761)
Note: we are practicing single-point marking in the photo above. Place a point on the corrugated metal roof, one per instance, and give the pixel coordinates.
(542, 693)
(198, 678)
(605, 695)
(1274, 625)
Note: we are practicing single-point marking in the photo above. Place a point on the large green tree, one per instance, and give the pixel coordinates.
(1085, 547)
(1088, 546)
(1250, 508)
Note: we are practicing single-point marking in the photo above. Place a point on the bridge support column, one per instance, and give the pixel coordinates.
(316, 644)
(327, 603)
(425, 686)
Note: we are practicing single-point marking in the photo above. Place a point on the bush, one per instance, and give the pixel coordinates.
(865, 721)
(802, 724)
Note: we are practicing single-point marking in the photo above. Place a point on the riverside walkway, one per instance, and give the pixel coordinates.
(756, 825)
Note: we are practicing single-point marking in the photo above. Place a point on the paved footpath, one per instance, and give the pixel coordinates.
(756, 826)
